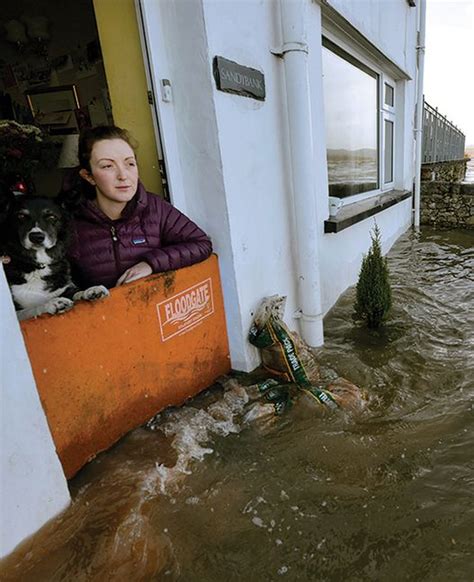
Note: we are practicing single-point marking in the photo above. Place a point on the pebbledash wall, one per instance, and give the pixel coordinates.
(228, 156)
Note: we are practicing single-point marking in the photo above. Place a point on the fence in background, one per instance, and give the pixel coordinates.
(442, 141)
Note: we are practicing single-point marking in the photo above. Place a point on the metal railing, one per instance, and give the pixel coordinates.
(442, 141)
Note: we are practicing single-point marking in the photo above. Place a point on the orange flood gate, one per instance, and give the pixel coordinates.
(106, 367)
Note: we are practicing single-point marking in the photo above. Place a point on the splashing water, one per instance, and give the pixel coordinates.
(190, 428)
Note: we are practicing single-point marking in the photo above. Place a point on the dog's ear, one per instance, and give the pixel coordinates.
(69, 200)
(71, 194)
(6, 201)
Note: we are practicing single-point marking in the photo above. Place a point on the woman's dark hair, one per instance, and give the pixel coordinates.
(74, 188)
(91, 135)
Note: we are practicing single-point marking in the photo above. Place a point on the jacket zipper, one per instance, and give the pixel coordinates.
(115, 240)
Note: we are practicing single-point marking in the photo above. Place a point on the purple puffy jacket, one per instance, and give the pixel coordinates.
(150, 230)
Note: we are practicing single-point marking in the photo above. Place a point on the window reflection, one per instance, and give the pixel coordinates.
(350, 101)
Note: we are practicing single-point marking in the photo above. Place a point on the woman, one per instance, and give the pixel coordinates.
(121, 232)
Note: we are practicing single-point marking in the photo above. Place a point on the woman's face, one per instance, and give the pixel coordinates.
(114, 171)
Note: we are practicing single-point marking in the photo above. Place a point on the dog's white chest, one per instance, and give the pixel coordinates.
(34, 292)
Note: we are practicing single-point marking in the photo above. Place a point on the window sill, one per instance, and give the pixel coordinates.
(358, 211)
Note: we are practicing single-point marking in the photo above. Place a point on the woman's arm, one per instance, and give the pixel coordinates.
(183, 242)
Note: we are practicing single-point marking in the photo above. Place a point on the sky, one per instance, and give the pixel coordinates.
(449, 62)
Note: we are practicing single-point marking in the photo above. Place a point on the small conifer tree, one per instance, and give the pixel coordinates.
(374, 295)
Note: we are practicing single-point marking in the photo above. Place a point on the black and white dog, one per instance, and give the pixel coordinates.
(34, 237)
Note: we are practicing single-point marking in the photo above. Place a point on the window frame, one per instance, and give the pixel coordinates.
(387, 113)
(384, 112)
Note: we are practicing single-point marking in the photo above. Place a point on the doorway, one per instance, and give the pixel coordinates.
(65, 66)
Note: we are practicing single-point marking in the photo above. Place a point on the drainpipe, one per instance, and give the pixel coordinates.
(420, 49)
(295, 56)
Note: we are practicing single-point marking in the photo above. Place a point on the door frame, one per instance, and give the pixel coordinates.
(161, 88)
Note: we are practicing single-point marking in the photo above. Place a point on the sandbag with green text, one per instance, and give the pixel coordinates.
(285, 355)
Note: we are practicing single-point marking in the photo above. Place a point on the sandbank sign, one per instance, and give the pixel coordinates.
(182, 312)
(234, 78)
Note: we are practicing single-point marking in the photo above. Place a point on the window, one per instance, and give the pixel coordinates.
(359, 107)
(388, 99)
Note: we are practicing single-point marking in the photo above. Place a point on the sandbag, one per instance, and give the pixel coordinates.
(285, 355)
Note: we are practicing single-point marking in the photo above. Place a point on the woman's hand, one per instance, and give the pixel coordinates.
(5, 259)
(138, 271)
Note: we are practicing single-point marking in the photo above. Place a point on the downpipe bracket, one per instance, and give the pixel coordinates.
(288, 47)
(298, 314)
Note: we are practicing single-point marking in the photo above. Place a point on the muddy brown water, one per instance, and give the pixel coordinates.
(386, 495)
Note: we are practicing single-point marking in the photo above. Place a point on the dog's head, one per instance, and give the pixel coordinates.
(35, 222)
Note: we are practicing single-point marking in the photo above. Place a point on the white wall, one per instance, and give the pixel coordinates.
(233, 151)
(255, 158)
(341, 253)
(177, 38)
(33, 488)
(385, 23)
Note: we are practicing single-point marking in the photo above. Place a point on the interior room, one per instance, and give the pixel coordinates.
(52, 76)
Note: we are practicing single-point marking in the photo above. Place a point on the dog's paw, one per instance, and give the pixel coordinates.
(58, 305)
(92, 293)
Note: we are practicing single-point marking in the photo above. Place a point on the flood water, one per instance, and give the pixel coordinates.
(469, 175)
(385, 495)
